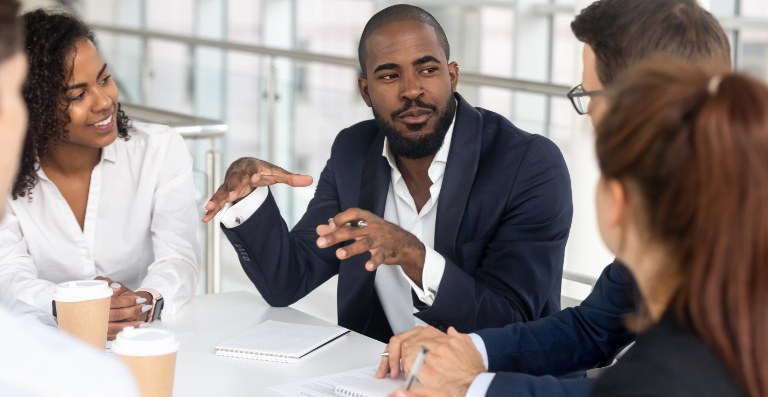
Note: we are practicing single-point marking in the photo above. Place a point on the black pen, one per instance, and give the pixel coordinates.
(353, 223)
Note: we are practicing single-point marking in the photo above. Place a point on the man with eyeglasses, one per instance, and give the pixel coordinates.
(617, 34)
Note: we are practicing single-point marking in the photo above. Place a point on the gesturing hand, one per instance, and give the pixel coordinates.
(452, 364)
(388, 243)
(246, 174)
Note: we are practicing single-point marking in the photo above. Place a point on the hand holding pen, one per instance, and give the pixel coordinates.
(387, 243)
(454, 361)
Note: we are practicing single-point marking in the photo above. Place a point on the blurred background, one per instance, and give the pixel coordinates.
(282, 76)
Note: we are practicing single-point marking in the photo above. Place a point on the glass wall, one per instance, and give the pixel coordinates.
(313, 101)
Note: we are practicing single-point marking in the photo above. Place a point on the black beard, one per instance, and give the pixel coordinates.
(425, 145)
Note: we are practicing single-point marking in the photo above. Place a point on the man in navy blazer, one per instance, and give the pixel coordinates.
(523, 359)
(464, 216)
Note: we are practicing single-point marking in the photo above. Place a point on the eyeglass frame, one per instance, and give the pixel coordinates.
(572, 96)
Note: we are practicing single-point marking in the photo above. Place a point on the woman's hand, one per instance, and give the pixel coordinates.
(126, 309)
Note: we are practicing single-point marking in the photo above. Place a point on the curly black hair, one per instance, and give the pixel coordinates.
(51, 38)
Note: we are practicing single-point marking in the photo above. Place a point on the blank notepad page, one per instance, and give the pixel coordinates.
(279, 342)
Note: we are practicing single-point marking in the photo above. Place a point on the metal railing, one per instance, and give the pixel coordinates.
(473, 78)
(580, 278)
(194, 128)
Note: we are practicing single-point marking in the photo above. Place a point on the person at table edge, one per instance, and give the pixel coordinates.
(475, 211)
(523, 358)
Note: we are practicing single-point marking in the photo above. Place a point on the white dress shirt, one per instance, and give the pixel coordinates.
(392, 284)
(39, 361)
(140, 227)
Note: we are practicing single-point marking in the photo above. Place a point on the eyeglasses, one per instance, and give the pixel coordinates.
(581, 98)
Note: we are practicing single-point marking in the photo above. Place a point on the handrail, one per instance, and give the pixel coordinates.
(190, 127)
(473, 78)
(579, 278)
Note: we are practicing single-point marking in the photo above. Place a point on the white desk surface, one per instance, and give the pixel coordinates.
(208, 320)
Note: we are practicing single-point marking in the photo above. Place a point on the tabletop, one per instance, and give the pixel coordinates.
(207, 320)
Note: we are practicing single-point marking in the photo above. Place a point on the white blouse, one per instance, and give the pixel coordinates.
(140, 227)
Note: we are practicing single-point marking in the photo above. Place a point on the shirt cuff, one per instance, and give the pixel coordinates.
(480, 385)
(431, 275)
(232, 216)
(480, 346)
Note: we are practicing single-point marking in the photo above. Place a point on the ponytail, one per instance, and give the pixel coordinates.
(696, 146)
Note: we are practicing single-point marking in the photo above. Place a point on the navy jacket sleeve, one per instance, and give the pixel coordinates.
(286, 266)
(507, 384)
(519, 274)
(576, 339)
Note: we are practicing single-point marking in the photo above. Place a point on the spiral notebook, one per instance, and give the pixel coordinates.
(279, 342)
(371, 387)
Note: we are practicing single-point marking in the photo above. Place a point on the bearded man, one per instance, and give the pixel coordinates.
(441, 213)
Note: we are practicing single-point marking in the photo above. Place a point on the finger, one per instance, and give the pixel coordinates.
(352, 214)
(395, 347)
(383, 366)
(231, 196)
(322, 230)
(282, 176)
(128, 313)
(377, 258)
(122, 301)
(217, 202)
(115, 327)
(294, 180)
(363, 244)
(345, 233)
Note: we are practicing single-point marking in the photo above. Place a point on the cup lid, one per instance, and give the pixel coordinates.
(83, 290)
(144, 342)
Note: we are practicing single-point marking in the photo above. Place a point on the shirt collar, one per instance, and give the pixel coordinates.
(108, 153)
(440, 157)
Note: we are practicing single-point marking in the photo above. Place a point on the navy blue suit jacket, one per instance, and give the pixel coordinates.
(576, 339)
(503, 217)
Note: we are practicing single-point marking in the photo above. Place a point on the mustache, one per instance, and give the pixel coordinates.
(418, 103)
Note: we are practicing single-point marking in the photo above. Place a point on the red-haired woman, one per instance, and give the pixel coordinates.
(682, 201)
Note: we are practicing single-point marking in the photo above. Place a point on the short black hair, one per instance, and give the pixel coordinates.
(399, 13)
(625, 32)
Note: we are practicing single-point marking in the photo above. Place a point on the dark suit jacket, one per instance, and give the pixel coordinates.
(668, 361)
(503, 218)
(576, 339)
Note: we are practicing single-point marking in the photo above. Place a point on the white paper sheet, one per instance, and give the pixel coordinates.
(323, 386)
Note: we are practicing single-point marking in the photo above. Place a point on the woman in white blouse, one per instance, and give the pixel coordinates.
(97, 195)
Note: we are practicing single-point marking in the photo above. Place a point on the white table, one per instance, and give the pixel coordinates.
(208, 320)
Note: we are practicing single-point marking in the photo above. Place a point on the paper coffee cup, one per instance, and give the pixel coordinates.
(150, 354)
(82, 309)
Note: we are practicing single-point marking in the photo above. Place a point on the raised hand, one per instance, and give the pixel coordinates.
(388, 243)
(246, 174)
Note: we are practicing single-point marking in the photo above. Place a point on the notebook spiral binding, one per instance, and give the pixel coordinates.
(257, 355)
(340, 391)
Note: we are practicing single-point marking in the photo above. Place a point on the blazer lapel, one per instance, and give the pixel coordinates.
(460, 171)
(356, 293)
